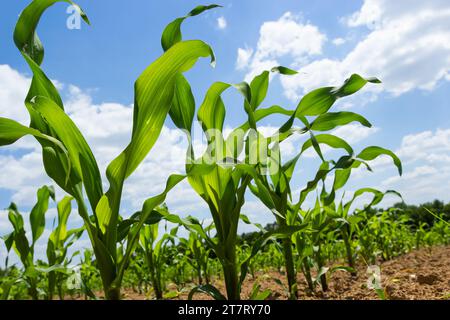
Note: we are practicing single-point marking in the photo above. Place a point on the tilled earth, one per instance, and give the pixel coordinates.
(422, 274)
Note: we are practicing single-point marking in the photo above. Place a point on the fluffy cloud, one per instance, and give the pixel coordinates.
(221, 23)
(339, 41)
(243, 58)
(13, 89)
(407, 47)
(286, 37)
(354, 133)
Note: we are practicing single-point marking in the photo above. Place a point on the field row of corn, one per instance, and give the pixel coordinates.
(126, 250)
(165, 267)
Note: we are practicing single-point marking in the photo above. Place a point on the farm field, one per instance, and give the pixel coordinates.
(280, 185)
(419, 275)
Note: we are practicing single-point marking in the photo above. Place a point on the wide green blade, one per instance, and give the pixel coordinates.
(81, 157)
(373, 152)
(37, 214)
(172, 33)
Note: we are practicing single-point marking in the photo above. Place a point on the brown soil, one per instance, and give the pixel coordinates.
(422, 274)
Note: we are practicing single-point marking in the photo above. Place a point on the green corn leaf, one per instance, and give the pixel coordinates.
(244, 89)
(211, 113)
(373, 152)
(246, 220)
(377, 197)
(341, 177)
(284, 70)
(147, 209)
(154, 91)
(278, 233)
(265, 112)
(183, 104)
(319, 101)
(259, 86)
(289, 166)
(80, 154)
(25, 36)
(37, 214)
(11, 131)
(172, 33)
(207, 289)
(330, 140)
(60, 234)
(55, 160)
(9, 241)
(18, 239)
(331, 120)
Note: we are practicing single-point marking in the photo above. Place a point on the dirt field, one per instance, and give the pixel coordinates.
(422, 274)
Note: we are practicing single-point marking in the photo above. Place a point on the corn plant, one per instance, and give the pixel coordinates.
(59, 242)
(347, 224)
(197, 254)
(223, 187)
(67, 157)
(314, 104)
(89, 275)
(18, 240)
(155, 255)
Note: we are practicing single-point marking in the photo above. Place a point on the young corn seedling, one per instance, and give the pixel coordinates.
(347, 224)
(154, 250)
(67, 157)
(197, 253)
(59, 242)
(23, 246)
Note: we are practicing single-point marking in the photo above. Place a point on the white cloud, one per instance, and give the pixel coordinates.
(286, 37)
(13, 90)
(243, 58)
(338, 41)
(5, 225)
(354, 133)
(418, 172)
(222, 23)
(407, 47)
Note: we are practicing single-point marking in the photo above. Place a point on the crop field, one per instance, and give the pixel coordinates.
(325, 239)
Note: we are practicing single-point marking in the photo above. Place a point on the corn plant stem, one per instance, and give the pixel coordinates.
(51, 284)
(199, 273)
(348, 250)
(230, 274)
(320, 263)
(229, 266)
(307, 272)
(289, 263)
(153, 275)
(60, 291)
(111, 292)
(230, 263)
(290, 269)
(32, 290)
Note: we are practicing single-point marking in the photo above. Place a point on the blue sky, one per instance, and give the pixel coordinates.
(404, 43)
